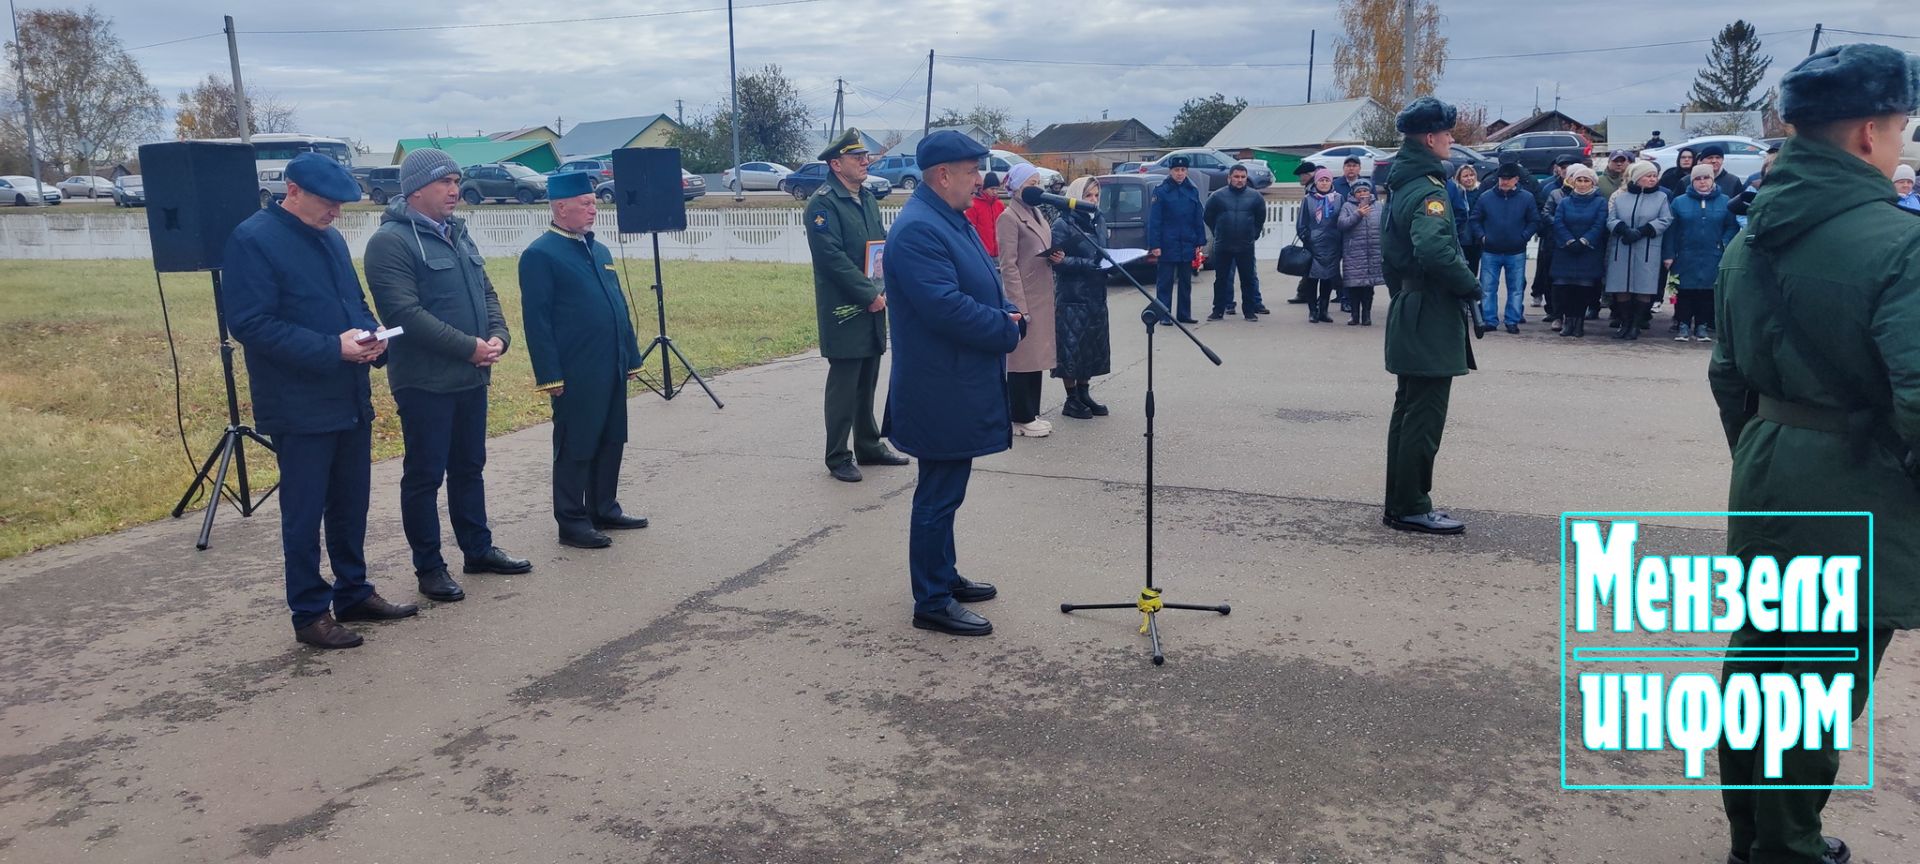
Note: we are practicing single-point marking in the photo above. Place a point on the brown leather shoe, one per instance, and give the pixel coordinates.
(376, 608)
(326, 634)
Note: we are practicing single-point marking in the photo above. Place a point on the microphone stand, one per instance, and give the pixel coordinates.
(1149, 603)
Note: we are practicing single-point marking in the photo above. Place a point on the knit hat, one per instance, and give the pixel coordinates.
(1577, 171)
(424, 166)
(1322, 173)
(1904, 172)
(1017, 177)
(1699, 171)
(1639, 169)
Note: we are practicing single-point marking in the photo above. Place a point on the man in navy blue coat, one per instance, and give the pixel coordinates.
(293, 300)
(947, 397)
(1175, 228)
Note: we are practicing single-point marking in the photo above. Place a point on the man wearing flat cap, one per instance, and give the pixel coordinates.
(1427, 339)
(580, 339)
(1176, 227)
(294, 301)
(1817, 377)
(427, 276)
(843, 220)
(947, 396)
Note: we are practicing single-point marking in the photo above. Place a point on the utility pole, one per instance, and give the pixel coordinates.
(26, 102)
(1312, 37)
(1406, 51)
(1815, 47)
(559, 128)
(239, 92)
(733, 79)
(839, 120)
(926, 120)
(680, 111)
(1556, 96)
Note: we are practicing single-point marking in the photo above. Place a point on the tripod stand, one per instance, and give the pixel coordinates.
(668, 351)
(232, 447)
(1149, 603)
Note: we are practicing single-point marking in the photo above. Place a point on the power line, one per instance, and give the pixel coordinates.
(595, 19)
(1865, 33)
(177, 41)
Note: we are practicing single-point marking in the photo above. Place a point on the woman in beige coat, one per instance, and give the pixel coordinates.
(1026, 271)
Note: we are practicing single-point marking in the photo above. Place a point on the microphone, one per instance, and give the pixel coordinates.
(1032, 196)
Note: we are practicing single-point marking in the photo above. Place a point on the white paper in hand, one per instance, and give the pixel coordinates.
(1123, 257)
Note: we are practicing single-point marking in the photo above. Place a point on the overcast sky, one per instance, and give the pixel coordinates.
(380, 86)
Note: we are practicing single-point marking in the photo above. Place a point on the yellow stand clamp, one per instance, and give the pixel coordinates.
(1149, 603)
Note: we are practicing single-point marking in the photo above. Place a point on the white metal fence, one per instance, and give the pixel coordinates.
(727, 234)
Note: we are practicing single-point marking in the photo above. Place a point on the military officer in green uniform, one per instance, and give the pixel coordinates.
(843, 220)
(1427, 339)
(1817, 378)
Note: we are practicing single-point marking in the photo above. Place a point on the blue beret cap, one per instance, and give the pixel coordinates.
(1424, 115)
(946, 146)
(323, 177)
(1847, 81)
(569, 184)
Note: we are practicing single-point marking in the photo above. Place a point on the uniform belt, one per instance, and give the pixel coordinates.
(1816, 417)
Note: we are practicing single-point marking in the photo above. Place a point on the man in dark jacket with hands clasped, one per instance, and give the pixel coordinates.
(1235, 215)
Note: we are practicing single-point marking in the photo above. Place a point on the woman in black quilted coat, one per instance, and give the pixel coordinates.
(1080, 304)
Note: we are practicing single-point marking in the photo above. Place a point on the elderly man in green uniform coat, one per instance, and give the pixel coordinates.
(842, 220)
(1427, 341)
(1817, 377)
(580, 338)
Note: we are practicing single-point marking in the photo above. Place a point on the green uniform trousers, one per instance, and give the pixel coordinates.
(1783, 826)
(1413, 440)
(850, 386)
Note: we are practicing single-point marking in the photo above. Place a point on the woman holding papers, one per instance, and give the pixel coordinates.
(1080, 302)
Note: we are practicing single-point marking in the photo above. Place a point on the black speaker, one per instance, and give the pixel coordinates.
(646, 183)
(197, 192)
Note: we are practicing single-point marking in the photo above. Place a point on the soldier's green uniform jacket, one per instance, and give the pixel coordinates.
(1427, 333)
(839, 225)
(1845, 266)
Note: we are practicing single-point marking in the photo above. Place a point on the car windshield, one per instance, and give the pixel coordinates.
(1123, 202)
(518, 170)
(130, 180)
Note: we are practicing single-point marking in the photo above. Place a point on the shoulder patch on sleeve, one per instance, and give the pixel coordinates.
(818, 221)
(1436, 208)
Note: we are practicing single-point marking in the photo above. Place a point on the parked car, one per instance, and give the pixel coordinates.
(381, 184)
(1484, 165)
(808, 177)
(1002, 161)
(85, 186)
(901, 171)
(1910, 151)
(129, 191)
(753, 176)
(1125, 202)
(1335, 158)
(1745, 156)
(1127, 168)
(1535, 151)
(601, 169)
(20, 189)
(691, 186)
(501, 181)
(1214, 165)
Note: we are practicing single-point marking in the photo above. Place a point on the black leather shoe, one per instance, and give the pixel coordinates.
(1837, 853)
(588, 540)
(1513, 328)
(497, 561)
(1250, 316)
(1216, 317)
(844, 472)
(438, 586)
(1262, 311)
(376, 608)
(324, 633)
(1231, 308)
(1189, 321)
(886, 458)
(1425, 523)
(619, 522)
(969, 591)
(956, 619)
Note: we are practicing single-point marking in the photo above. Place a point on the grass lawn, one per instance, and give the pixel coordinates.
(87, 398)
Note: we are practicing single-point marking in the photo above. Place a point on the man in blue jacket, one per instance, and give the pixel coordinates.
(1175, 228)
(580, 338)
(293, 300)
(1504, 221)
(947, 397)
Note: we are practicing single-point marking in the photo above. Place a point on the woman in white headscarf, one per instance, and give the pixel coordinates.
(1024, 238)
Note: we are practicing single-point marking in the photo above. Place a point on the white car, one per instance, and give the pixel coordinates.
(1002, 161)
(1745, 156)
(86, 186)
(754, 176)
(1910, 151)
(17, 189)
(1335, 158)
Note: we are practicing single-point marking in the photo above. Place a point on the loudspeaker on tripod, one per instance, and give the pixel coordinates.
(197, 193)
(647, 190)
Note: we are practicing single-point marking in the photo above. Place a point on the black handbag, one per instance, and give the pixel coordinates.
(1295, 260)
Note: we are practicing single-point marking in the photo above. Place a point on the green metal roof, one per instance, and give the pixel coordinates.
(537, 155)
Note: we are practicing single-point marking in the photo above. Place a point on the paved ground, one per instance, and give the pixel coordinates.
(739, 683)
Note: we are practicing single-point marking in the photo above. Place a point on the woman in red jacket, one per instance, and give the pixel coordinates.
(985, 211)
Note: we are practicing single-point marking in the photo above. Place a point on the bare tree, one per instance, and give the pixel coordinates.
(207, 111)
(1376, 127)
(1471, 127)
(90, 99)
(1367, 57)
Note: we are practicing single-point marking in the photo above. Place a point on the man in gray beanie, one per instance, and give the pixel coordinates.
(427, 276)
(1817, 377)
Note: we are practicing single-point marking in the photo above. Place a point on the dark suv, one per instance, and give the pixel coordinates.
(382, 184)
(601, 169)
(501, 181)
(1535, 151)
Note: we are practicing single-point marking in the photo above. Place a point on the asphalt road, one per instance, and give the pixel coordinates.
(739, 683)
